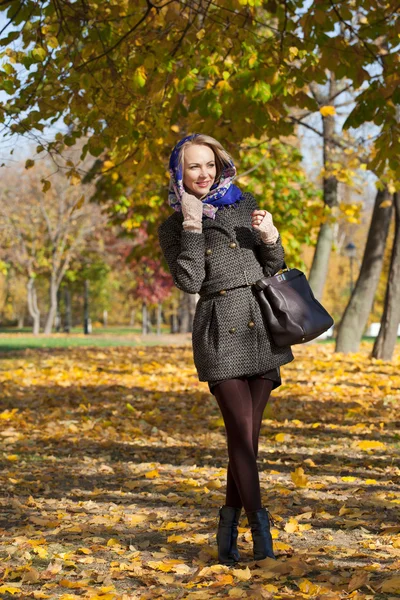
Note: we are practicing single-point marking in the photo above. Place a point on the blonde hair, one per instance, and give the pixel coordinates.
(222, 157)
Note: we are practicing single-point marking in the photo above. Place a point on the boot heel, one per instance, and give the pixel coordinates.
(261, 534)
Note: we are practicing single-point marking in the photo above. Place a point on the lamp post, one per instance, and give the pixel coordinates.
(351, 253)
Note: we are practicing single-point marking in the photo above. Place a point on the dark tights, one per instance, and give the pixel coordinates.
(242, 403)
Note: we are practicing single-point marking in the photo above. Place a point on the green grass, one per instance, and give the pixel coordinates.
(118, 330)
(16, 339)
(20, 339)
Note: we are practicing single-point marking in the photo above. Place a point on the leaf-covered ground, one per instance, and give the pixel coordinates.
(113, 470)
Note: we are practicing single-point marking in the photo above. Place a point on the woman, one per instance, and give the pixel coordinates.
(217, 243)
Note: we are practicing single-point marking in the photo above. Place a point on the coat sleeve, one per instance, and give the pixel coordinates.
(184, 252)
(270, 256)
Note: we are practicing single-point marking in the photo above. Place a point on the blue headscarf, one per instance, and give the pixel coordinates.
(222, 192)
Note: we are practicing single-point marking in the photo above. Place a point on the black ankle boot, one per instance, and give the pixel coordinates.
(260, 530)
(227, 535)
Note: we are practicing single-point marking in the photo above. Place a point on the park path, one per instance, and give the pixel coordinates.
(113, 469)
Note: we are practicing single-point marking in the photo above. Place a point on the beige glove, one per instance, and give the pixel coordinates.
(192, 209)
(262, 221)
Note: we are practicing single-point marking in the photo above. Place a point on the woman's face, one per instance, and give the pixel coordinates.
(199, 169)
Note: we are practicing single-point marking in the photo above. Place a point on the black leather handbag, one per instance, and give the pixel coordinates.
(291, 312)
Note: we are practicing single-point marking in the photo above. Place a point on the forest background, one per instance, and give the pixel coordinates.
(304, 95)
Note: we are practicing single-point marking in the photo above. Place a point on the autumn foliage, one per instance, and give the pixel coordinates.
(114, 465)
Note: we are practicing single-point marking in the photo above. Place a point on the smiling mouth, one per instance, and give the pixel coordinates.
(203, 183)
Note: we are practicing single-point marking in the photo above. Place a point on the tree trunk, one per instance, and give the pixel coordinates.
(144, 318)
(359, 307)
(32, 306)
(174, 324)
(386, 341)
(105, 318)
(68, 316)
(21, 319)
(319, 268)
(53, 306)
(57, 322)
(159, 310)
(86, 320)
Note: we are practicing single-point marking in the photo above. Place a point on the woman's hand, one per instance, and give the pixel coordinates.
(192, 209)
(261, 220)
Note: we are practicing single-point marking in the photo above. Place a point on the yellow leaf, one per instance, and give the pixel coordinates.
(385, 204)
(29, 164)
(282, 546)
(200, 34)
(73, 584)
(5, 415)
(113, 542)
(283, 437)
(140, 76)
(292, 525)
(176, 538)
(175, 129)
(12, 457)
(369, 445)
(75, 178)
(9, 589)
(135, 519)
(299, 478)
(152, 474)
(326, 111)
(215, 484)
(163, 565)
(242, 574)
(270, 587)
(42, 552)
(174, 525)
(84, 550)
(307, 587)
(52, 42)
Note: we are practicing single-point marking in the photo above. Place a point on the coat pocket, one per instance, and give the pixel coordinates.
(213, 329)
(205, 330)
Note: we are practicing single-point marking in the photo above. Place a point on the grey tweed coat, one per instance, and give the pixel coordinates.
(229, 337)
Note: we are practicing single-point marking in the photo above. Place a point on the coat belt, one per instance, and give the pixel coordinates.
(243, 279)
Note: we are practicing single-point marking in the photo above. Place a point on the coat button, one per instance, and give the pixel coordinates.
(208, 251)
(251, 323)
(232, 330)
(222, 292)
(232, 245)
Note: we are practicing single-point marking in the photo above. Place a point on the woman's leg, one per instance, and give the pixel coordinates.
(260, 390)
(242, 420)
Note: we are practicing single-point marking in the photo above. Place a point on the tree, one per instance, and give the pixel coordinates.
(357, 311)
(386, 341)
(44, 231)
(188, 66)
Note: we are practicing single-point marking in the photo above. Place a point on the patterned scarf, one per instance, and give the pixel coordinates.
(222, 192)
